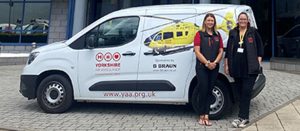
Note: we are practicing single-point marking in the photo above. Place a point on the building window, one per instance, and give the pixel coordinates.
(100, 8)
(287, 29)
(25, 21)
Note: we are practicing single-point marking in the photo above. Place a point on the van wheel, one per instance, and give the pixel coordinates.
(55, 94)
(220, 103)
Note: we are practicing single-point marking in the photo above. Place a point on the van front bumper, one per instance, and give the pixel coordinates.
(28, 86)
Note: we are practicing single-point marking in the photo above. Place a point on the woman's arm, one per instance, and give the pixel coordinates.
(220, 54)
(200, 56)
(219, 57)
(226, 67)
(260, 47)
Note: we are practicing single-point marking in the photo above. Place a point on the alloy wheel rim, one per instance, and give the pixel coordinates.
(54, 94)
(218, 96)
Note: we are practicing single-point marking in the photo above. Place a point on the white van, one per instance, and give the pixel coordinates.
(140, 55)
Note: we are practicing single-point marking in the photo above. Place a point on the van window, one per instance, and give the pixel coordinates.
(114, 32)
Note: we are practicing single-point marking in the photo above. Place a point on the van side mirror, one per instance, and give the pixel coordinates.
(90, 41)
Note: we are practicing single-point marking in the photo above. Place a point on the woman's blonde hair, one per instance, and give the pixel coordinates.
(215, 22)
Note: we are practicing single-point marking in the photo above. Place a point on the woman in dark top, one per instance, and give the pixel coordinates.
(242, 62)
(208, 46)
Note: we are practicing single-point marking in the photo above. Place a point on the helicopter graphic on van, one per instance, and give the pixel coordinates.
(179, 36)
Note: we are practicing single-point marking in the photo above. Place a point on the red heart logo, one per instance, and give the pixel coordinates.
(116, 56)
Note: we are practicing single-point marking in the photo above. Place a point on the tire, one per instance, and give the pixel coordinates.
(55, 94)
(220, 104)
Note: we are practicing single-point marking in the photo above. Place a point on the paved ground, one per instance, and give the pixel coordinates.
(285, 119)
(16, 112)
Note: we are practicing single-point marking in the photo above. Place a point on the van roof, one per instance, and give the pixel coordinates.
(135, 10)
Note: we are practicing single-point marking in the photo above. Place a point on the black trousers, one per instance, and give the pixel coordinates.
(245, 86)
(206, 81)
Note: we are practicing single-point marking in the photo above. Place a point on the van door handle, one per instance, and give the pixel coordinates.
(128, 53)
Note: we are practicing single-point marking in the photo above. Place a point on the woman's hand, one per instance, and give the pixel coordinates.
(212, 66)
(259, 60)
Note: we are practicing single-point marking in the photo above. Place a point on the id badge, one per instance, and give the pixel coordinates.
(240, 50)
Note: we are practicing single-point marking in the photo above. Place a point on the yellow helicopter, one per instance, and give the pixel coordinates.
(181, 34)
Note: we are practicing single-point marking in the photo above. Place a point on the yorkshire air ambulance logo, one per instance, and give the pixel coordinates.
(178, 35)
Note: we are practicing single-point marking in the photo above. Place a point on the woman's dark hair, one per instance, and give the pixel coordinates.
(243, 13)
(215, 22)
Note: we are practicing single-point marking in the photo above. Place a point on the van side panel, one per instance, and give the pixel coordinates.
(167, 50)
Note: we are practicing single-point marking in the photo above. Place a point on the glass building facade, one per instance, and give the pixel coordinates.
(287, 33)
(27, 21)
(24, 21)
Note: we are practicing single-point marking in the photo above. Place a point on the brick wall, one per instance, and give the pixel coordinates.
(58, 21)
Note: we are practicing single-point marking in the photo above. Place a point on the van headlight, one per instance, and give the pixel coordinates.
(32, 56)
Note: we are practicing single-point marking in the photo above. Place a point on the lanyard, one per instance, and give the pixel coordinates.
(242, 34)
